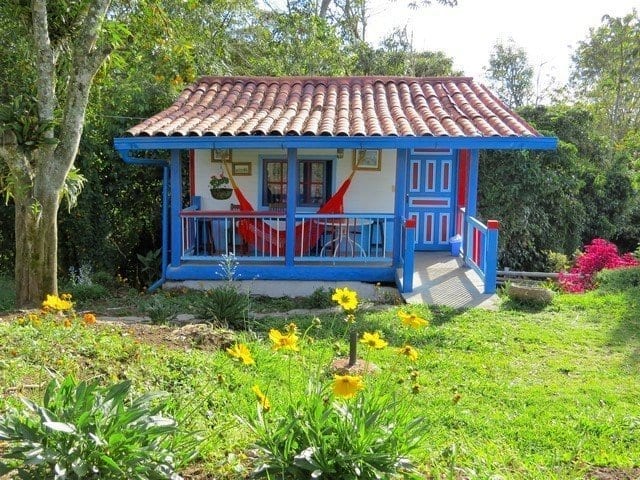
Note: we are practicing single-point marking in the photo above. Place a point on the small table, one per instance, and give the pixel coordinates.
(341, 227)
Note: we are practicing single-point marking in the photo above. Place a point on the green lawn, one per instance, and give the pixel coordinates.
(514, 394)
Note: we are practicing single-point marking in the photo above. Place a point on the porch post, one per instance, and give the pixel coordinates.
(399, 208)
(292, 201)
(472, 202)
(176, 207)
(491, 256)
(409, 263)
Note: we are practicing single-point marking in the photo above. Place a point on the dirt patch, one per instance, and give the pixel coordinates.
(607, 473)
(198, 335)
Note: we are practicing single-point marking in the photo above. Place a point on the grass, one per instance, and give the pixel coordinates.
(550, 393)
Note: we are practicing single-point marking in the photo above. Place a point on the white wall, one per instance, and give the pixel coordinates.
(370, 191)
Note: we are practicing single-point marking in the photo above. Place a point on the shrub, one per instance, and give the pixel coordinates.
(83, 292)
(224, 305)
(320, 298)
(598, 255)
(107, 280)
(317, 437)
(618, 280)
(159, 309)
(557, 262)
(83, 430)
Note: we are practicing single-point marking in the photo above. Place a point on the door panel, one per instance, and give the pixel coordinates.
(430, 198)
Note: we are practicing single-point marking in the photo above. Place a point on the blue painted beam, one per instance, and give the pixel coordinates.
(409, 261)
(399, 209)
(176, 206)
(292, 200)
(472, 186)
(491, 257)
(283, 272)
(123, 144)
(165, 230)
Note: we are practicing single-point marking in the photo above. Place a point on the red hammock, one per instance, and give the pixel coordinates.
(267, 239)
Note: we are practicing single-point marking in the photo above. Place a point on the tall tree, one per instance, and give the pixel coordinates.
(606, 73)
(41, 134)
(510, 73)
(396, 56)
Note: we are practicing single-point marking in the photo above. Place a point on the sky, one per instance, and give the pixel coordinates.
(548, 30)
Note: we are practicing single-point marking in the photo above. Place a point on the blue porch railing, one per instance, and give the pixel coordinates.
(261, 236)
(480, 247)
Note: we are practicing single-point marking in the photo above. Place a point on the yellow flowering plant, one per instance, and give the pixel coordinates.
(349, 427)
(57, 311)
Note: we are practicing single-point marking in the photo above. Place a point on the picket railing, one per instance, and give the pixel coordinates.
(262, 236)
(480, 248)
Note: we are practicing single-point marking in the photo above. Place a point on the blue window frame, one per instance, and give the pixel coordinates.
(314, 185)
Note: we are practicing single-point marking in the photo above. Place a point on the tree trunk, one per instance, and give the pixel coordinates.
(36, 259)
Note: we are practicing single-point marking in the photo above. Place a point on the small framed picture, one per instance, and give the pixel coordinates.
(220, 155)
(241, 168)
(366, 159)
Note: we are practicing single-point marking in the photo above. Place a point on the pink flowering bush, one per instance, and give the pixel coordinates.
(598, 255)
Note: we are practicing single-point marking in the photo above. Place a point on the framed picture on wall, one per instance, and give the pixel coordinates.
(220, 154)
(241, 168)
(366, 159)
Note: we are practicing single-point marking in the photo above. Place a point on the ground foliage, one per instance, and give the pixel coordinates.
(521, 393)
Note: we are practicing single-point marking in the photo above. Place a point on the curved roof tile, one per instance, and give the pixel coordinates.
(354, 106)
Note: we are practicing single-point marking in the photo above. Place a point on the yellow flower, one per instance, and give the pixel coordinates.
(89, 318)
(409, 351)
(412, 320)
(347, 299)
(53, 302)
(262, 398)
(286, 342)
(67, 323)
(373, 340)
(242, 353)
(347, 386)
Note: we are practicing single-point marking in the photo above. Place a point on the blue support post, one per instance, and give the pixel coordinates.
(176, 207)
(399, 210)
(472, 191)
(472, 202)
(165, 231)
(409, 246)
(491, 256)
(292, 201)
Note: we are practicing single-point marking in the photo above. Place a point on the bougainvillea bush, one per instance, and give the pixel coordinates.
(600, 254)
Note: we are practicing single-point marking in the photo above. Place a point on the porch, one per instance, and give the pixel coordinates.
(442, 279)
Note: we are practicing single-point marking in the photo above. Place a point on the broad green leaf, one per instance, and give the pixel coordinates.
(60, 427)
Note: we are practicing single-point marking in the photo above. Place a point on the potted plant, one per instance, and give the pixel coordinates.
(219, 187)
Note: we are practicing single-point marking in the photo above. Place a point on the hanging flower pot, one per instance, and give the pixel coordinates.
(219, 187)
(221, 193)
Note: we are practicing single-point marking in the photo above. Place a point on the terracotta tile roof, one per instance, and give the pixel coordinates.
(351, 106)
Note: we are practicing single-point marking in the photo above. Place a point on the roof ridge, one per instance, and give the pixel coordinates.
(329, 79)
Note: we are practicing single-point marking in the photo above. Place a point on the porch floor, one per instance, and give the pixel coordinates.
(440, 279)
